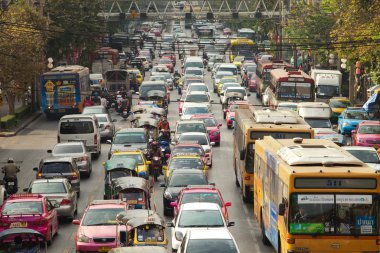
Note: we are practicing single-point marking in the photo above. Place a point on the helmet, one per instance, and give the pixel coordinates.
(10, 160)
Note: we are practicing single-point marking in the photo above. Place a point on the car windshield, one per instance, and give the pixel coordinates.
(56, 167)
(68, 149)
(200, 139)
(240, 91)
(146, 88)
(225, 86)
(189, 127)
(183, 180)
(101, 217)
(369, 129)
(124, 138)
(229, 80)
(49, 187)
(211, 245)
(209, 122)
(137, 157)
(366, 156)
(78, 127)
(186, 163)
(157, 78)
(164, 61)
(196, 110)
(25, 207)
(197, 98)
(334, 214)
(200, 218)
(195, 72)
(250, 69)
(229, 69)
(222, 74)
(357, 115)
(339, 103)
(325, 90)
(319, 123)
(187, 150)
(201, 197)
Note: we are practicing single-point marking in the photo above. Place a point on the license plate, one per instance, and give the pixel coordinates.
(132, 201)
(61, 110)
(11, 183)
(104, 249)
(22, 224)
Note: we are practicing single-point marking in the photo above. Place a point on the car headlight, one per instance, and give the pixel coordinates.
(168, 195)
(83, 238)
(346, 124)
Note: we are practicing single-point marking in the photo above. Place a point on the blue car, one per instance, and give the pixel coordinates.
(350, 118)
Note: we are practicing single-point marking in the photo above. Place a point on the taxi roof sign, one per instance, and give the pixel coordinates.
(25, 195)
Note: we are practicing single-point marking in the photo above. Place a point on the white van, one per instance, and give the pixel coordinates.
(316, 114)
(81, 127)
(193, 61)
(228, 67)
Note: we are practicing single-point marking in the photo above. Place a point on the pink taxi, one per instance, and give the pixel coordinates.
(367, 133)
(230, 112)
(32, 211)
(97, 230)
(213, 127)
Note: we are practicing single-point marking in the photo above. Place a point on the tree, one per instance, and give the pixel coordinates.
(21, 45)
(75, 28)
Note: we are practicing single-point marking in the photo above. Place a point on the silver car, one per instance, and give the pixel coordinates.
(107, 126)
(76, 150)
(95, 109)
(57, 190)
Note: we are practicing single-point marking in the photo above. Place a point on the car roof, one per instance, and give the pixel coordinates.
(359, 148)
(194, 133)
(57, 159)
(78, 116)
(202, 116)
(130, 130)
(106, 204)
(101, 115)
(188, 145)
(204, 234)
(69, 143)
(197, 84)
(51, 180)
(355, 109)
(192, 104)
(200, 206)
(196, 92)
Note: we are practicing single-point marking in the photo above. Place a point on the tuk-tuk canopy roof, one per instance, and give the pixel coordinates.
(138, 217)
(139, 108)
(157, 111)
(121, 163)
(147, 122)
(142, 116)
(124, 183)
(21, 231)
(140, 249)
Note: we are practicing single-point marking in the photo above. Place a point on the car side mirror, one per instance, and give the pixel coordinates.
(220, 124)
(178, 99)
(56, 205)
(35, 169)
(212, 100)
(207, 155)
(49, 151)
(109, 141)
(231, 224)
(213, 184)
(170, 224)
(242, 154)
(281, 209)
(114, 120)
(2, 182)
(179, 236)
(249, 94)
(75, 222)
(180, 114)
(227, 204)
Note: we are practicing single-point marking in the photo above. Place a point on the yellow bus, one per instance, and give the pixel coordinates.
(312, 196)
(252, 125)
(243, 47)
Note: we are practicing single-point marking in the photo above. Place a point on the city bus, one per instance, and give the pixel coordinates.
(313, 196)
(241, 46)
(251, 125)
(263, 73)
(290, 86)
(247, 33)
(63, 89)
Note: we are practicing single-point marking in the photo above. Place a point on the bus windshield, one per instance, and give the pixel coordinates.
(289, 90)
(334, 214)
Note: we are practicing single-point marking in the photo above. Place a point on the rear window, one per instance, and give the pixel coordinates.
(25, 207)
(233, 70)
(68, 149)
(200, 139)
(77, 127)
(49, 188)
(56, 168)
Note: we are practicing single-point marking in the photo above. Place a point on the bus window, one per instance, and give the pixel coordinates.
(250, 158)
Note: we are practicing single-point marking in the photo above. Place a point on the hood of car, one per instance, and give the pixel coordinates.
(98, 231)
(129, 146)
(212, 129)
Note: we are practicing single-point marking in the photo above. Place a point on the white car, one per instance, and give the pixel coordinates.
(218, 76)
(214, 240)
(185, 126)
(190, 109)
(240, 90)
(200, 138)
(197, 87)
(367, 155)
(193, 216)
(200, 97)
(225, 86)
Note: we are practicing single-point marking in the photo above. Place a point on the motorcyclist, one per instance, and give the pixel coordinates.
(176, 74)
(124, 104)
(155, 150)
(164, 125)
(10, 171)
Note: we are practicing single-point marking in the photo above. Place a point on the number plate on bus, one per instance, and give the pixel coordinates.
(22, 224)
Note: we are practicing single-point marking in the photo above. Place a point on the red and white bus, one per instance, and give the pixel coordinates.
(263, 73)
(285, 85)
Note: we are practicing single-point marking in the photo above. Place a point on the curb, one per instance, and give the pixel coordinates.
(22, 126)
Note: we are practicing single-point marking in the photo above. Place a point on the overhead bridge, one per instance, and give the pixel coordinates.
(115, 10)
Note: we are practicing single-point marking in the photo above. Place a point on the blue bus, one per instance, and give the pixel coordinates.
(63, 90)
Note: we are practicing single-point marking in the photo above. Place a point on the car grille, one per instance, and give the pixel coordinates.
(104, 240)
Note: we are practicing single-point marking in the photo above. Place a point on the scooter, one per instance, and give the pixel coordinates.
(156, 167)
(125, 114)
(10, 184)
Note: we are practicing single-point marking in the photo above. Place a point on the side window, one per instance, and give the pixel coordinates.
(49, 206)
(183, 244)
(68, 186)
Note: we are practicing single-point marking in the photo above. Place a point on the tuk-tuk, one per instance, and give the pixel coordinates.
(159, 98)
(117, 168)
(144, 228)
(232, 96)
(141, 249)
(157, 112)
(135, 191)
(150, 124)
(22, 240)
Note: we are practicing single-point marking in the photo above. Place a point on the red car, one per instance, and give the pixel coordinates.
(230, 112)
(367, 133)
(212, 125)
(167, 62)
(170, 55)
(32, 211)
(251, 83)
(199, 193)
(190, 148)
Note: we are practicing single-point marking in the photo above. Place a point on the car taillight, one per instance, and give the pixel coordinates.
(39, 175)
(75, 175)
(65, 202)
(95, 139)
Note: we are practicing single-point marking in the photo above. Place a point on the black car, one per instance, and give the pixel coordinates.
(179, 179)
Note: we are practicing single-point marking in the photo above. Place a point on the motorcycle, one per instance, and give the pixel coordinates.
(165, 148)
(156, 167)
(176, 82)
(10, 184)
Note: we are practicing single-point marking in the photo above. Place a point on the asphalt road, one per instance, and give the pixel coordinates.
(31, 144)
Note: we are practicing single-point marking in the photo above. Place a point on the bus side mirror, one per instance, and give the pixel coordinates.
(281, 209)
(242, 154)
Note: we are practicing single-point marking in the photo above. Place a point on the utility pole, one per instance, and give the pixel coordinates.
(282, 24)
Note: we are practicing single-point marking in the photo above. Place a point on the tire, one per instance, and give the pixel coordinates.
(264, 238)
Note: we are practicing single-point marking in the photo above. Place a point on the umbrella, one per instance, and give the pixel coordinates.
(372, 103)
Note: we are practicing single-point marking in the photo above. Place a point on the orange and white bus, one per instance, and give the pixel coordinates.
(312, 196)
(263, 73)
(288, 86)
(251, 125)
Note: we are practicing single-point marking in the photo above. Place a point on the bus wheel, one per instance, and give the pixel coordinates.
(279, 250)
(246, 193)
(264, 238)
